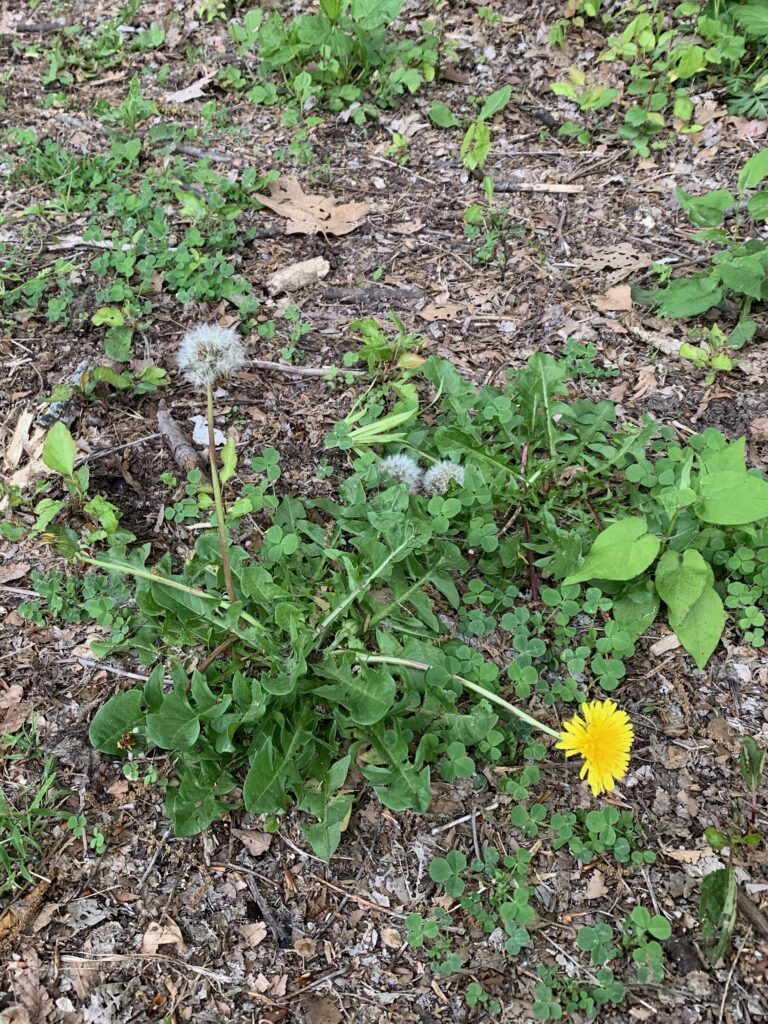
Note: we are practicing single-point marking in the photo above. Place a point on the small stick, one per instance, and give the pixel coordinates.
(184, 455)
(41, 28)
(537, 186)
(207, 154)
(752, 912)
(729, 979)
(278, 934)
(153, 858)
(360, 900)
(19, 591)
(225, 645)
(375, 293)
(475, 840)
(302, 371)
(103, 452)
(105, 668)
(460, 821)
(595, 515)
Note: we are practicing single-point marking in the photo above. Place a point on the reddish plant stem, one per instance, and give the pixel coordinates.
(531, 566)
(595, 515)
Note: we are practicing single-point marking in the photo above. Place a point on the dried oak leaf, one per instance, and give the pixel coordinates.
(168, 934)
(309, 214)
(29, 991)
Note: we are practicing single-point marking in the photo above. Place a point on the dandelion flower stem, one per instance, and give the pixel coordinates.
(381, 659)
(217, 499)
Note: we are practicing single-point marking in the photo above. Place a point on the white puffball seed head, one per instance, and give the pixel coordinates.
(208, 352)
(404, 469)
(438, 479)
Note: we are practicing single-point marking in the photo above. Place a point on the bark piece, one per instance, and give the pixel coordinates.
(184, 454)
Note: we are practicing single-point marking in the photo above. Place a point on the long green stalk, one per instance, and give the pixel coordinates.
(382, 659)
(146, 574)
(218, 501)
(362, 586)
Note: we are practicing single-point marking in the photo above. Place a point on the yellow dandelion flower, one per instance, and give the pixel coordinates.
(603, 737)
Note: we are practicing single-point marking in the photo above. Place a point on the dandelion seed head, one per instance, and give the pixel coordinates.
(404, 469)
(602, 734)
(208, 352)
(438, 479)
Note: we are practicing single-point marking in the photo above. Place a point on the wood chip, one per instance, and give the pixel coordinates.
(665, 645)
(184, 454)
(15, 449)
(298, 275)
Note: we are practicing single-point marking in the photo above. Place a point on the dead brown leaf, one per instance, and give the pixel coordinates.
(13, 712)
(596, 887)
(646, 384)
(310, 214)
(745, 129)
(322, 1010)
(192, 92)
(621, 260)
(407, 227)
(14, 571)
(15, 1015)
(256, 843)
(279, 986)
(254, 934)
(618, 298)
(685, 856)
(721, 731)
(83, 973)
(168, 934)
(707, 111)
(440, 311)
(35, 466)
(759, 428)
(28, 991)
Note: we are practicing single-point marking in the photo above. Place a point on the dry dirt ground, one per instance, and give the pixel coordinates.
(237, 926)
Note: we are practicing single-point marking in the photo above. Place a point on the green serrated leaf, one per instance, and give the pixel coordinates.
(717, 910)
(175, 725)
(367, 695)
(263, 789)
